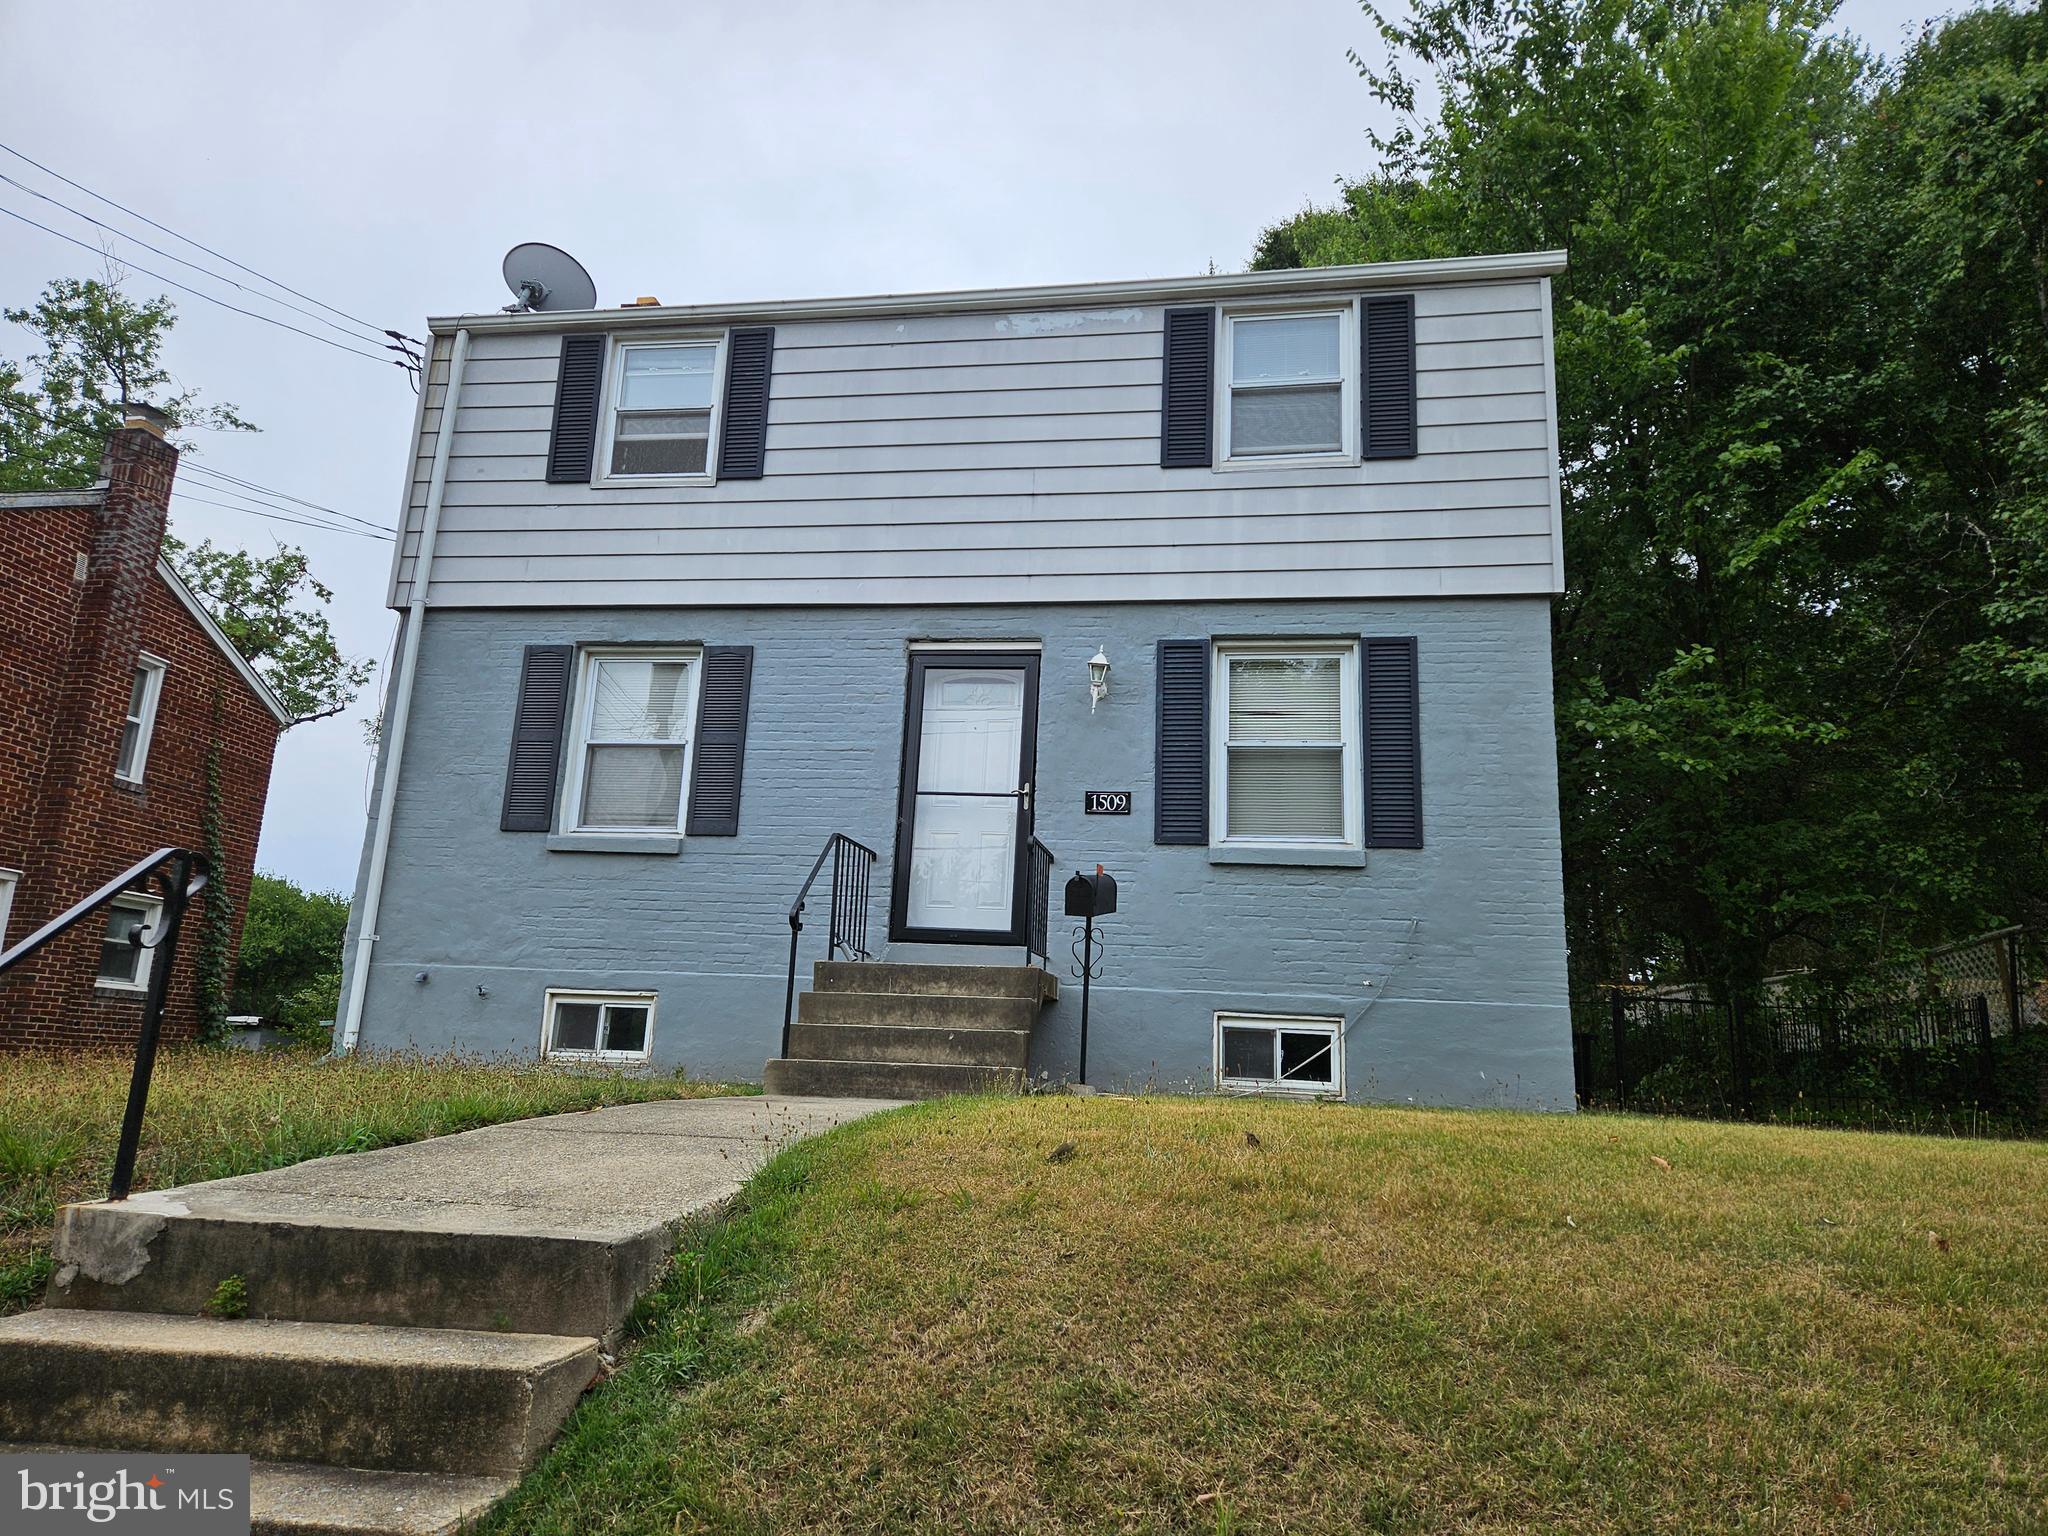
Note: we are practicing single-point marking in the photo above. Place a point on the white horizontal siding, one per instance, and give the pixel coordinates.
(996, 457)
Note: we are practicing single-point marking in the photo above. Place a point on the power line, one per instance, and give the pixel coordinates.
(279, 517)
(209, 298)
(275, 494)
(196, 245)
(219, 277)
(259, 501)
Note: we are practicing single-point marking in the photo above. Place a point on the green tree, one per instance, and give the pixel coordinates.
(291, 947)
(270, 606)
(1793, 726)
(99, 351)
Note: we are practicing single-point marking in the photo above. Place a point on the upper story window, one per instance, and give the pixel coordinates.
(1286, 769)
(144, 691)
(1291, 380)
(664, 409)
(630, 756)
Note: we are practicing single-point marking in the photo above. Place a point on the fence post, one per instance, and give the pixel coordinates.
(2010, 967)
(1987, 1073)
(163, 944)
(1738, 1067)
(1620, 1059)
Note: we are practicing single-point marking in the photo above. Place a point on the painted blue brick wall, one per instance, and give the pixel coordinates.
(1447, 962)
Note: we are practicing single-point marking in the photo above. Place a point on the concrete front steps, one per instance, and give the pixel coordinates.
(421, 1318)
(887, 1030)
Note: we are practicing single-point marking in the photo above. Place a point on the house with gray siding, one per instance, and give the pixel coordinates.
(912, 608)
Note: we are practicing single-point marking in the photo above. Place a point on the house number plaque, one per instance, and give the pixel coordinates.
(1107, 802)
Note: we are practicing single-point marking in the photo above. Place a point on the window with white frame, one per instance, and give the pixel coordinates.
(664, 407)
(631, 751)
(145, 689)
(598, 1026)
(124, 964)
(1291, 381)
(1285, 767)
(9, 879)
(1279, 1053)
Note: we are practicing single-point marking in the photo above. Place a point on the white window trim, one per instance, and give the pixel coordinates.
(1292, 1023)
(145, 728)
(1351, 722)
(9, 880)
(608, 416)
(570, 814)
(558, 995)
(1347, 401)
(152, 909)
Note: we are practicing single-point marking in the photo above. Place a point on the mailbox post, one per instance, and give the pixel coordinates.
(1089, 897)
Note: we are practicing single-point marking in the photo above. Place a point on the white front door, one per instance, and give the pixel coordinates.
(966, 814)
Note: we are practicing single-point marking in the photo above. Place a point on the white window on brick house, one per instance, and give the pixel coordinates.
(663, 411)
(9, 879)
(598, 1026)
(145, 690)
(1291, 385)
(1285, 769)
(124, 965)
(1279, 1053)
(629, 756)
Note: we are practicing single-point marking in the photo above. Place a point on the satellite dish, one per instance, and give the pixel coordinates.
(547, 278)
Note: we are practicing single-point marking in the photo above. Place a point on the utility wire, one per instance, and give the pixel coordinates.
(272, 506)
(279, 517)
(277, 495)
(196, 245)
(353, 334)
(197, 294)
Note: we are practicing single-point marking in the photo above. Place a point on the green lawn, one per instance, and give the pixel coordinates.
(215, 1112)
(1368, 1320)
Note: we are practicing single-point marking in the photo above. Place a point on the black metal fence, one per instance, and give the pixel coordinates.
(1958, 1046)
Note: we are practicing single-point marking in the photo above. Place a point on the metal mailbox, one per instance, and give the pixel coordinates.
(1092, 895)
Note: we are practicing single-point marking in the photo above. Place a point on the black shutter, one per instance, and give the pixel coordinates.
(721, 748)
(1387, 368)
(743, 415)
(537, 739)
(578, 388)
(1187, 396)
(1180, 792)
(1393, 742)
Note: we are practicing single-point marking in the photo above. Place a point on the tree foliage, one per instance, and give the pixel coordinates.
(291, 947)
(1802, 701)
(270, 606)
(99, 351)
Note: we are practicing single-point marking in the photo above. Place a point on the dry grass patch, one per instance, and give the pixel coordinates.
(213, 1113)
(1370, 1320)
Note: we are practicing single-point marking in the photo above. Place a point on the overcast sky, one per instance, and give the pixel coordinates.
(382, 158)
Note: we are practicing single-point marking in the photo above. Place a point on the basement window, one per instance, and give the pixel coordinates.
(1279, 1053)
(124, 966)
(598, 1026)
(145, 689)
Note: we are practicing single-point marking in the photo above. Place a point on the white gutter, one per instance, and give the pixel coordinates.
(401, 698)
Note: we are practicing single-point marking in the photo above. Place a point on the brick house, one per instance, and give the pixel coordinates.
(115, 684)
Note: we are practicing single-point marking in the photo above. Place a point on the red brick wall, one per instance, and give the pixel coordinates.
(68, 650)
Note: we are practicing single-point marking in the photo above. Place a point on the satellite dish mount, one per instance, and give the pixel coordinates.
(546, 278)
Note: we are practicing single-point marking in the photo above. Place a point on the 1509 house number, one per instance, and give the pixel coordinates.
(1107, 802)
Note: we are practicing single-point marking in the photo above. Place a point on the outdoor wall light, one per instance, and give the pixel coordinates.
(1098, 679)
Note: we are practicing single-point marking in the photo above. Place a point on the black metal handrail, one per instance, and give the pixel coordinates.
(852, 871)
(186, 878)
(1038, 903)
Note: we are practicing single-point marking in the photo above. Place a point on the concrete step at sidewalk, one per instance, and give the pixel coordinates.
(947, 1010)
(340, 1394)
(295, 1498)
(905, 1043)
(887, 1079)
(936, 980)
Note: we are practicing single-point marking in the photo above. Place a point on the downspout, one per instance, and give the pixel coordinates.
(401, 701)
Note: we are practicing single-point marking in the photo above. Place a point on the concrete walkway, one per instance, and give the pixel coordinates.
(420, 1319)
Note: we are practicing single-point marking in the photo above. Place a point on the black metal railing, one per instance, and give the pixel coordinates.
(180, 874)
(1037, 902)
(853, 866)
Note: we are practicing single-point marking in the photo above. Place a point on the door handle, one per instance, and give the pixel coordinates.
(1024, 794)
